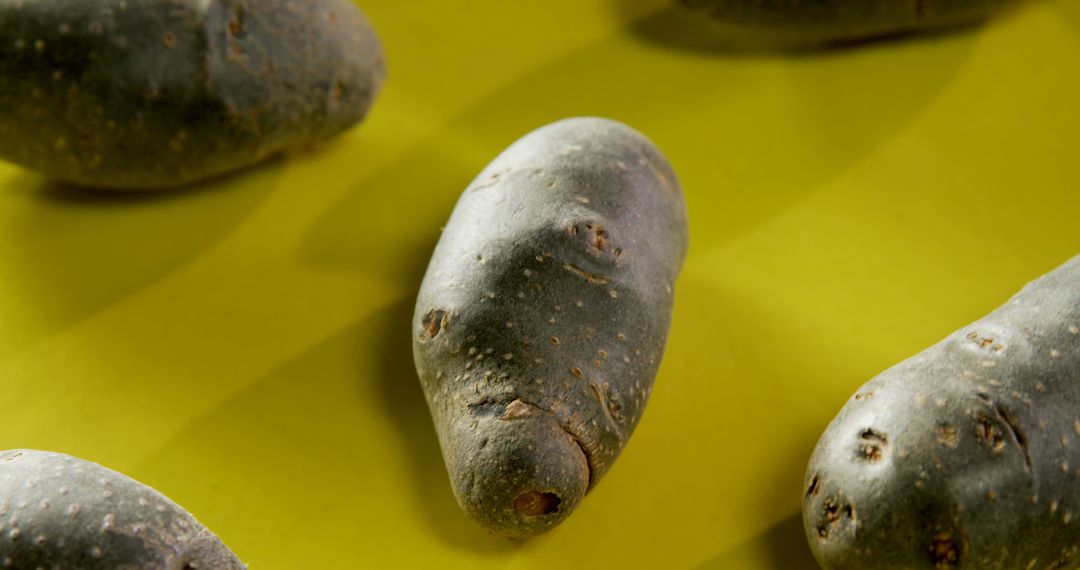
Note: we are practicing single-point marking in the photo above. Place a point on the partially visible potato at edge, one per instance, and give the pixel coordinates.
(964, 456)
(58, 511)
(157, 93)
(543, 315)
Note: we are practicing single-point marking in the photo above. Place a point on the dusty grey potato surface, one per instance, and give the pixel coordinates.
(57, 511)
(812, 22)
(542, 318)
(158, 93)
(966, 455)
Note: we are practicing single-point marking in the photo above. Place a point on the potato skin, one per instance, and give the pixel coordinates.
(57, 511)
(966, 455)
(814, 22)
(160, 93)
(543, 315)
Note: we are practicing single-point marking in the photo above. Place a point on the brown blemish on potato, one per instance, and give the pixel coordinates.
(575, 371)
(596, 393)
(944, 551)
(433, 322)
(515, 410)
(832, 511)
(590, 277)
(236, 22)
(599, 238)
(831, 514)
(872, 445)
(815, 487)
(536, 503)
(982, 342)
(948, 435)
(1018, 434)
(864, 395)
(1063, 561)
(989, 434)
(168, 40)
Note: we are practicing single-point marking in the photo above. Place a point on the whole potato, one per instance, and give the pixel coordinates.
(158, 93)
(541, 321)
(57, 511)
(966, 455)
(809, 22)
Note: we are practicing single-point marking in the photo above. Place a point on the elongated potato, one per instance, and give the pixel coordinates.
(158, 93)
(801, 22)
(57, 511)
(966, 455)
(542, 318)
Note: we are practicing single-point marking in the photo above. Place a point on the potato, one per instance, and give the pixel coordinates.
(966, 455)
(160, 93)
(543, 315)
(807, 22)
(57, 511)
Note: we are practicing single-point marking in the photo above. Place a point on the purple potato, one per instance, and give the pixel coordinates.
(541, 321)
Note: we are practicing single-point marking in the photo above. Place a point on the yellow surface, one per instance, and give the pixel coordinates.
(244, 346)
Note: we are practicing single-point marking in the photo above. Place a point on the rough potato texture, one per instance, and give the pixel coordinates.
(966, 455)
(57, 511)
(542, 318)
(826, 21)
(158, 93)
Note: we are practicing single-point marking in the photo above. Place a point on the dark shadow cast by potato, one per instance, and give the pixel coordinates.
(787, 545)
(785, 542)
(57, 191)
(68, 252)
(781, 547)
(680, 28)
(404, 401)
(763, 135)
(785, 398)
(389, 223)
(334, 445)
(1070, 12)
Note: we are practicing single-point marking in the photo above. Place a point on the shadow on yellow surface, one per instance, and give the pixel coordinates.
(782, 547)
(1071, 13)
(388, 224)
(404, 403)
(69, 252)
(717, 148)
(245, 347)
(677, 27)
(323, 436)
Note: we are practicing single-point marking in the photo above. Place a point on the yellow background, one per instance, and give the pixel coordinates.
(244, 346)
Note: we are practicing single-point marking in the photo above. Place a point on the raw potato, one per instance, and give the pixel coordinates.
(57, 511)
(542, 318)
(807, 22)
(159, 93)
(966, 455)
